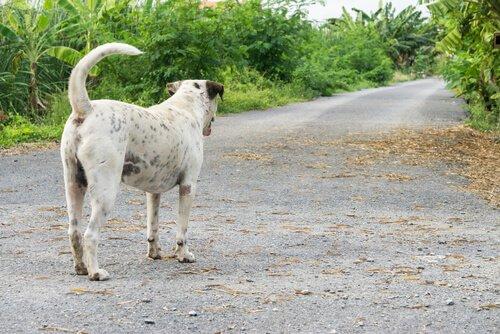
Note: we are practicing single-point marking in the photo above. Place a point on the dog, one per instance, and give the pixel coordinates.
(153, 149)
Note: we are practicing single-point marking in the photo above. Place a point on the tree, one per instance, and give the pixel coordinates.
(86, 14)
(28, 36)
(404, 33)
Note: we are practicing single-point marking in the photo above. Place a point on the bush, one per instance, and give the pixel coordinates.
(334, 64)
(369, 58)
(249, 90)
(470, 64)
(481, 119)
(20, 129)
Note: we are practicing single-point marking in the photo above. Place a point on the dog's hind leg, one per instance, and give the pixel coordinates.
(103, 183)
(153, 204)
(186, 196)
(76, 185)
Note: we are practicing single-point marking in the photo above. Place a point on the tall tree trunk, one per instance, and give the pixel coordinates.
(33, 89)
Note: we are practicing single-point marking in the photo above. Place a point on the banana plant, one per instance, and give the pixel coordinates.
(31, 34)
(88, 13)
(404, 33)
(472, 64)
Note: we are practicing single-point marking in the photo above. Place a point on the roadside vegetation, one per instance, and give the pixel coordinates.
(469, 62)
(265, 52)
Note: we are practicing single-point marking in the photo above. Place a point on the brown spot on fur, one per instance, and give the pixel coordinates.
(80, 177)
(172, 87)
(130, 165)
(155, 160)
(78, 121)
(214, 88)
(129, 157)
(184, 190)
(129, 168)
(81, 269)
(94, 277)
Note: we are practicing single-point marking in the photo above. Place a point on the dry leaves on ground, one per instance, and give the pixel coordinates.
(303, 292)
(81, 291)
(489, 306)
(57, 210)
(227, 289)
(198, 271)
(26, 148)
(249, 156)
(296, 229)
(474, 154)
(318, 165)
(57, 329)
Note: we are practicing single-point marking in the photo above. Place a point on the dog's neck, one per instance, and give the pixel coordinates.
(188, 101)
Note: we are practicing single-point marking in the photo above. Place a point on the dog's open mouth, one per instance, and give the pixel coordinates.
(208, 130)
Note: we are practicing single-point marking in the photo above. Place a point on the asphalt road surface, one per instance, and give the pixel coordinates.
(289, 236)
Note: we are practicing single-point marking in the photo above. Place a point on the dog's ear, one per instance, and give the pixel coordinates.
(172, 87)
(214, 88)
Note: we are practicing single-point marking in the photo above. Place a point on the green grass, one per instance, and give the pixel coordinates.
(250, 97)
(248, 90)
(401, 77)
(481, 119)
(19, 129)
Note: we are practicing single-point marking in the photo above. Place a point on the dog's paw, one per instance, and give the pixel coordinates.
(100, 275)
(185, 257)
(182, 254)
(156, 255)
(80, 269)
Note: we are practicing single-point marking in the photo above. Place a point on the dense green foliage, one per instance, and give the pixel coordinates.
(407, 34)
(471, 65)
(265, 52)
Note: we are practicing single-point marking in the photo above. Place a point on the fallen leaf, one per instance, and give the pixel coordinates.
(226, 289)
(303, 292)
(80, 291)
(489, 306)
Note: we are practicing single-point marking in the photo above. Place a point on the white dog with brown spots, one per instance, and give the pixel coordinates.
(152, 149)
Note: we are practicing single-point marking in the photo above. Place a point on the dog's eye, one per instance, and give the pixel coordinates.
(213, 119)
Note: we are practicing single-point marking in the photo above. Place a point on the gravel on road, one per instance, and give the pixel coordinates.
(291, 233)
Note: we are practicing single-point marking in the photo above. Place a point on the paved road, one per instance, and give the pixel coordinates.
(289, 236)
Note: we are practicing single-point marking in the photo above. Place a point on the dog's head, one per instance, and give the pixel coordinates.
(207, 90)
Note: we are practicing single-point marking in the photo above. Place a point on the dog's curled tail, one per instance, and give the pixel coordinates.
(78, 97)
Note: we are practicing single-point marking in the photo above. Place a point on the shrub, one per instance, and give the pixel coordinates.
(249, 90)
(19, 129)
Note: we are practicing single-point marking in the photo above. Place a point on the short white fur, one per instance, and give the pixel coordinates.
(153, 149)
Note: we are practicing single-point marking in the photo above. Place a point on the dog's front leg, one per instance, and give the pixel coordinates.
(186, 195)
(153, 204)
